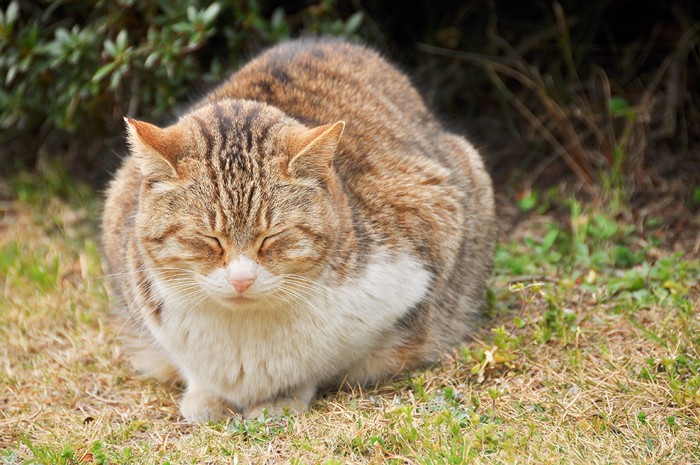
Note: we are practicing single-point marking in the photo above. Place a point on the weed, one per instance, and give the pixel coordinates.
(48, 454)
(528, 200)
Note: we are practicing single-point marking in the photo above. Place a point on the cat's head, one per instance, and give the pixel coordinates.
(237, 199)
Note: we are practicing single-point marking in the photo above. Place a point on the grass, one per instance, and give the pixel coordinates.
(593, 357)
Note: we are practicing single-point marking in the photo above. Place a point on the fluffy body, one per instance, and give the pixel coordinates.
(308, 223)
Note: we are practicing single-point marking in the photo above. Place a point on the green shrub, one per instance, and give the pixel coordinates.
(69, 70)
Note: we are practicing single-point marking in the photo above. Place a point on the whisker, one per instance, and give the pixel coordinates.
(144, 269)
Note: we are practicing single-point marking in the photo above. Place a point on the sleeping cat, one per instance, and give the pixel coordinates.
(308, 223)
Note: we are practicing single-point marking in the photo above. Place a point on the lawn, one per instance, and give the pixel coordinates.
(592, 355)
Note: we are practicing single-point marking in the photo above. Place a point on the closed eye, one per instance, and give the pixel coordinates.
(270, 240)
(213, 242)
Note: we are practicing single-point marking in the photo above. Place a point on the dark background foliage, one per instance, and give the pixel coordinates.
(604, 93)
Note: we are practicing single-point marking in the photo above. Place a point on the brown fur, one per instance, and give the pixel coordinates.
(309, 160)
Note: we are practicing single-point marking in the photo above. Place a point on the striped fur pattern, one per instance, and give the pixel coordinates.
(308, 223)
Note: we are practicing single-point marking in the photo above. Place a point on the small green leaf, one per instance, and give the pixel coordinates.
(110, 48)
(151, 59)
(549, 239)
(191, 14)
(353, 22)
(277, 18)
(625, 258)
(12, 12)
(619, 106)
(103, 71)
(62, 36)
(528, 201)
(195, 38)
(182, 27)
(210, 14)
(11, 72)
(122, 40)
(116, 78)
(629, 282)
(650, 443)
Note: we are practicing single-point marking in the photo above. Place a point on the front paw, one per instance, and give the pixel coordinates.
(202, 406)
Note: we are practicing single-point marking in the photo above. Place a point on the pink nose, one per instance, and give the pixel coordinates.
(242, 284)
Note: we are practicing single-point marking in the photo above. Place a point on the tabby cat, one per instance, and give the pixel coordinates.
(309, 223)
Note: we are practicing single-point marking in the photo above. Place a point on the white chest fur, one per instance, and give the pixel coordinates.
(253, 354)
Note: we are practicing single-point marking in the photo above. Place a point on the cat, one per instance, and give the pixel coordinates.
(308, 223)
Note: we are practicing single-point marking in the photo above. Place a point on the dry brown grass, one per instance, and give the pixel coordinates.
(609, 385)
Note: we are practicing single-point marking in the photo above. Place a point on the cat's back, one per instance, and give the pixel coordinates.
(321, 80)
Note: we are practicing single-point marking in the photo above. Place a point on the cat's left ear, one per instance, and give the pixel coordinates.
(313, 150)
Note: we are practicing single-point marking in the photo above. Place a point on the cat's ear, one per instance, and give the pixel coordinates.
(313, 150)
(157, 149)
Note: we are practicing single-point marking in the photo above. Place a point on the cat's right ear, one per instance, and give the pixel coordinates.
(313, 150)
(157, 149)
